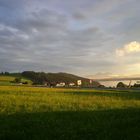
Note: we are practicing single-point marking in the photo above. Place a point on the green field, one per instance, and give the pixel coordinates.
(6, 80)
(68, 114)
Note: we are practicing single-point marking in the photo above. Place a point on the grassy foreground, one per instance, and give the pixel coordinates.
(68, 114)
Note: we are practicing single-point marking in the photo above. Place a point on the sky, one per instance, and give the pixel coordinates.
(91, 38)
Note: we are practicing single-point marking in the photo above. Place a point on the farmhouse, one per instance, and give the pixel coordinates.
(62, 84)
(71, 84)
(79, 82)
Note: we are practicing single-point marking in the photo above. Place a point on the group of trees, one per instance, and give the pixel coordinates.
(36, 77)
(136, 86)
(4, 73)
(122, 85)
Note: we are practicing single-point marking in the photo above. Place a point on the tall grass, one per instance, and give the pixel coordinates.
(68, 114)
(15, 99)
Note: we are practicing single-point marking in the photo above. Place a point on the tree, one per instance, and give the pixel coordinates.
(136, 85)
(37, 77)
(121, 85)
(7, 73)
(17, 80)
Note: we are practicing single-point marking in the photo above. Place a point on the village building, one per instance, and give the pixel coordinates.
(71, 84)
(62, 84)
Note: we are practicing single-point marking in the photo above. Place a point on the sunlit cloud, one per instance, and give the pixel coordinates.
(132, 47)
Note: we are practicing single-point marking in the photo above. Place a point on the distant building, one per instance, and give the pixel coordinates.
(79, 82)
(46, 84)
(71, 84)
(20, 83)
(60, 84)
(90, 81)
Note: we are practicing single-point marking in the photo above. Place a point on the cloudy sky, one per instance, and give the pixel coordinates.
(86, 37)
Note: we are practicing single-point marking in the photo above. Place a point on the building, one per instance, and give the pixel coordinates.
(60, 84)
(79, 82)
(71, 84)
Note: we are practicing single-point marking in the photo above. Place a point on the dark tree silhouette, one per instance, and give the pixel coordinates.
(121, 85)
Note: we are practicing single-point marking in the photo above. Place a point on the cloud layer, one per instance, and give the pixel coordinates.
(80, 36)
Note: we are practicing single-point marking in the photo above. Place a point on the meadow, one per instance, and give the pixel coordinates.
(7, 80)
(68, 114)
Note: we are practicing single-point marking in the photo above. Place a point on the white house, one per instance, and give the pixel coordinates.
(71, 84)
(60, 84)
(79, 82)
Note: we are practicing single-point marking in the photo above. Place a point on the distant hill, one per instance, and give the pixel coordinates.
(64, 77)
(41, 77)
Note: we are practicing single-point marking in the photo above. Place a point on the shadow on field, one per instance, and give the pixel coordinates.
(95, 125)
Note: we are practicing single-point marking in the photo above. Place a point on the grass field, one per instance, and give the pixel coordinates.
(6, 80)
(68, 114)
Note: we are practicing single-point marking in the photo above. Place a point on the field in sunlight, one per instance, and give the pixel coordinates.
(68, 114)
(7, 80)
